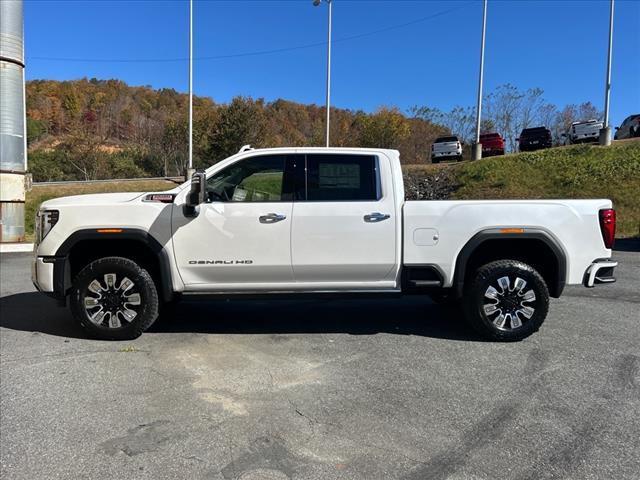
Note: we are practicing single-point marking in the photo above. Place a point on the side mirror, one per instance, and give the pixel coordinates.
(196, 195)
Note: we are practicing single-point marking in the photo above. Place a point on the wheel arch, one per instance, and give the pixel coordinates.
(533, 246)
(84, 246)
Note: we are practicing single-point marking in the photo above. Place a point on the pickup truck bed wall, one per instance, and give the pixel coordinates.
(572, 223)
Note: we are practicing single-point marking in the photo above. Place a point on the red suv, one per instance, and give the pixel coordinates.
(492, 144)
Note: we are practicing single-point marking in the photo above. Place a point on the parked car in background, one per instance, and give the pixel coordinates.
(630, 128)
(535, 138)
(492, 144)
(583, 132)
(446, 148)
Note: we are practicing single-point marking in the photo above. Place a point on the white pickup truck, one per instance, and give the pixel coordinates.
(315, 220)
(582, 132)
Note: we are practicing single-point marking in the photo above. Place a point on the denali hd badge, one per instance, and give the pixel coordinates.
(220, 262)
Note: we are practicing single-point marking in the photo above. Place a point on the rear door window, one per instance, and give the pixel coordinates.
(342, 178)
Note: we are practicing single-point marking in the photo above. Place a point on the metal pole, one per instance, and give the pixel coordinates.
(13, 152)
(605, 133)
(190, 169)
(329, 70)
(477, 146)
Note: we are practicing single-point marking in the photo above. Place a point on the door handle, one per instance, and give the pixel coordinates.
(271, 218)
(376, 217)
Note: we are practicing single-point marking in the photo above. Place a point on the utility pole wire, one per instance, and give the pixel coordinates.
(255, 53)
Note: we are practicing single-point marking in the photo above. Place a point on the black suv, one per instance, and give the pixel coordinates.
(534, 139)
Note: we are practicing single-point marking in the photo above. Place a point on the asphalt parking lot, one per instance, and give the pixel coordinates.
(346, 389)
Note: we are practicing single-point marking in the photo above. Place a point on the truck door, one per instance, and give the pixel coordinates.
(344, 224)
(241, 237)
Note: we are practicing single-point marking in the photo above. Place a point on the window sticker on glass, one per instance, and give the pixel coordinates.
(336, 175)
(239, 195)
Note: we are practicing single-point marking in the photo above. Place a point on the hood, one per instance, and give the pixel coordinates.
(97, 199)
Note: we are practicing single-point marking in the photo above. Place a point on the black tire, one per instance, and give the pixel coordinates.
(110, 296)
(492, 313)
(459, 158)
(435, 160)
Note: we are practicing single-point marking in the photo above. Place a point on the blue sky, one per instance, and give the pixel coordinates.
(559, 46)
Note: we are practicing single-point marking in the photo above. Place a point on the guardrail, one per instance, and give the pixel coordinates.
(177, 180)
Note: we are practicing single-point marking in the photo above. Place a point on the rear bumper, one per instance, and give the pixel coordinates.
(600, 271)
(453, 153)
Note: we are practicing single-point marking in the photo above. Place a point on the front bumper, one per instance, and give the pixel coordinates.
(42, 274)
(600, 271)
(50, 275)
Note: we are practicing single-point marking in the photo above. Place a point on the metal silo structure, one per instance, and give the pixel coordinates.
(13, 138)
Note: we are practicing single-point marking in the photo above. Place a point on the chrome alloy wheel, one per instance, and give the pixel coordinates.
(109, 303)
(506, 306)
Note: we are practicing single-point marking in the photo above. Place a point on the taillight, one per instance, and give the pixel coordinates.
(608, 226)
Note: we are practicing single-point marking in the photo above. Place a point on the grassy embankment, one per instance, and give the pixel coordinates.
(581, 171)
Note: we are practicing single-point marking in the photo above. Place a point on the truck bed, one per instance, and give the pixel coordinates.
(434, 232)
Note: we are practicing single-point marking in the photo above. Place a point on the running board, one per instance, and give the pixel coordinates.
(425, 283)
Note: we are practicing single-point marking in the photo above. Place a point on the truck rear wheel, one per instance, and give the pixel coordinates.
(113, 298)
(506, 300)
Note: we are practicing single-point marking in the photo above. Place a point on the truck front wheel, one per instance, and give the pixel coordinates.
(506, 300)
(114, 298)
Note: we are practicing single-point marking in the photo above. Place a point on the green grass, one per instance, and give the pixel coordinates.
(581, 171)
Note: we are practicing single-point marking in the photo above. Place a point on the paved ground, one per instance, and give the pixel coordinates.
(327, 390)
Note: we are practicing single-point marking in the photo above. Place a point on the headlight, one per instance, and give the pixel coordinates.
(45, 221)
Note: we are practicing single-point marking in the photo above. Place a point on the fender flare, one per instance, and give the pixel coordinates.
(495, 234)
(61, 267)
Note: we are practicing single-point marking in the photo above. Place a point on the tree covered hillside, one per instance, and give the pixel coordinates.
(92, 129)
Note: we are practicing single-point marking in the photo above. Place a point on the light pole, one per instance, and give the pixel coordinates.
(190, 170)
(605, 133)
(330, 3)
(476, 153)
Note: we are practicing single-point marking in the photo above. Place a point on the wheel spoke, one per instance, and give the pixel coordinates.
(491, 293)
(128, 314)
(500, 321)
(114, 321)
(98, 317)
(110, 279)
(91, 302)
(490, 308)
(515, 321)
(529, 296)
(519, 284)
(125, 284)
(95, 287)
(133, 299)
(527, 312)
(504, 284)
